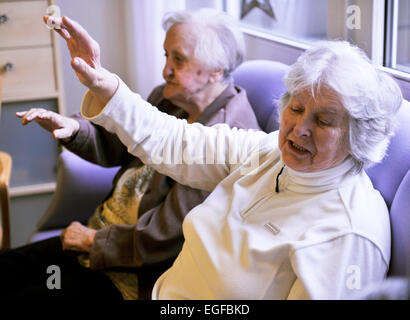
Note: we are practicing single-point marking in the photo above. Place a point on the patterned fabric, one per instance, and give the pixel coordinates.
(122, 208)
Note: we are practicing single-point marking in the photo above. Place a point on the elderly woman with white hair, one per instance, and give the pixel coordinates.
(305, 222)
(199, 89)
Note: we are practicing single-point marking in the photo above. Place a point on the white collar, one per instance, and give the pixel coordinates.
(320, 181)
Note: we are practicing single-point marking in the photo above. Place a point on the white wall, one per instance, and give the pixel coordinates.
(259, 48)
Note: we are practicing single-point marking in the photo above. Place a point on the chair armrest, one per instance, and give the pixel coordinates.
(81, 186)
(5, 172)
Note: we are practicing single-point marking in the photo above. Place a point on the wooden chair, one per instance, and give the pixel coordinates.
(5, 172)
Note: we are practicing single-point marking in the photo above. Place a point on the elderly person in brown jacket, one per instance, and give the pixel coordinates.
(201, 48)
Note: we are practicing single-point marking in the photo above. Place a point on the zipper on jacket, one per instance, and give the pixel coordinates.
(255, 205)
(277, 179)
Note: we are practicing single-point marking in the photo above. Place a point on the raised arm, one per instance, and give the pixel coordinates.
(191, 154)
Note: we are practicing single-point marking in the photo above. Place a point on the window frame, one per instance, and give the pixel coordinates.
(378, 21)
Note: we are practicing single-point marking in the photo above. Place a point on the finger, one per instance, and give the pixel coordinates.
(64, 33)
(33, 114)
(62, 133)
(34, 111)
(54, 21)
(41, 113)
(74, 28)
(59, 27)
(20, 114)
(47, 115)
(29, 116)
(67, 246)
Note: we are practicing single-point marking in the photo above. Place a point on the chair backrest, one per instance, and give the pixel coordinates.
(81, 186)
(392, 178)
(262, 80)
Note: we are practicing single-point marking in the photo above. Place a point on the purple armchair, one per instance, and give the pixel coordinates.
(81, 185)
(392, 178)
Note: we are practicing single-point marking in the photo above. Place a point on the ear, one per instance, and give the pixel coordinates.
(216, 76)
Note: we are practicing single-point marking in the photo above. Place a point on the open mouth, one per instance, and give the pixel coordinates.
(297, 147)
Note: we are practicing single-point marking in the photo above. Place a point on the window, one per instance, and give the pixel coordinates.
(380, 27)
(398, 35)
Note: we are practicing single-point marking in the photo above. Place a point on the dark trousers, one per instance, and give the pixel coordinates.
(24, 274)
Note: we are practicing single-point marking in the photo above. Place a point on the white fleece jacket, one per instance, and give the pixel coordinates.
(324, 235)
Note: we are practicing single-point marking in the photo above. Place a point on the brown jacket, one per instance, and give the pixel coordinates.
(157, 236)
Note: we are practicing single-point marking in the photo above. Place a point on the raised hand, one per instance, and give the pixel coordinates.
(85, 54)
(60, 127)
(79, 42)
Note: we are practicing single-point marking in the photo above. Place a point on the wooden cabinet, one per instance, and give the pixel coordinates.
(32, 77)
(22, 25)
(31, 74)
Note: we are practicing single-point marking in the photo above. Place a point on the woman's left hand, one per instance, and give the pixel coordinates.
(77, 237)
(85, 54)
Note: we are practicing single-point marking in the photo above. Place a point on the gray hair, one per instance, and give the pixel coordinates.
(371, 97)
(220, 43)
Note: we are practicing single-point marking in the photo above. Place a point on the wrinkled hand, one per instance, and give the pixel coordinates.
(61, 127)
(85, 54)
(79, 42)
(77, 237)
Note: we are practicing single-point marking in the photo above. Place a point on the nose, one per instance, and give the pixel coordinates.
(168, 71)
(303, 127)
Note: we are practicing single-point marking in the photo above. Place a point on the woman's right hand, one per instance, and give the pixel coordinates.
(61, 127)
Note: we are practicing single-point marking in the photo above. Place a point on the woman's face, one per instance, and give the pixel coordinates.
(185, 76)
(314, 133)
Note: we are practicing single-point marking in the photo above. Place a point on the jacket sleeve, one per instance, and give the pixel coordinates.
(95, 144)
(191, 154)
(336, 269)
(156, 237)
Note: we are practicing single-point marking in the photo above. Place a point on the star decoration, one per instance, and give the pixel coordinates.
(265, 6)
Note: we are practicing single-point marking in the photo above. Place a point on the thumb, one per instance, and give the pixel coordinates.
(20, 114)
(62, 133)
(89, 74)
